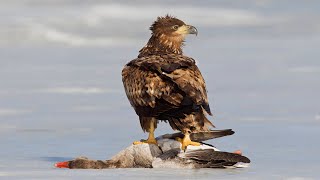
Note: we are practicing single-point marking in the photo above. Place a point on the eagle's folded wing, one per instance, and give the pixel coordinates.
(183, 72)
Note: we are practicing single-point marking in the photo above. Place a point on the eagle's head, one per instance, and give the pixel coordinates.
(168, 34)
(171, 27)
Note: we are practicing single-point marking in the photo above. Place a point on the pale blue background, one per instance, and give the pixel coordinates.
(61, 94)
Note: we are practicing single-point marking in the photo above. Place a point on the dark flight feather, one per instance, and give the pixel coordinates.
(209, 158)
(202, 136)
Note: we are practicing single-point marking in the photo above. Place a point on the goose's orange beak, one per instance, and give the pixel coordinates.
(62, 164)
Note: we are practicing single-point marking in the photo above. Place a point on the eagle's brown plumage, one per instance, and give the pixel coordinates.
(163, 84)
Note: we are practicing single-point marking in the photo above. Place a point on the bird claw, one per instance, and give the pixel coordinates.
(185, 142)
(148, 141)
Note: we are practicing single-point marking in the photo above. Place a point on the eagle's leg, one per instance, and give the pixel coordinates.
(151, 139)
(187, 141)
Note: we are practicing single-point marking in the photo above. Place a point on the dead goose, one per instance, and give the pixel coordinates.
(167, 154)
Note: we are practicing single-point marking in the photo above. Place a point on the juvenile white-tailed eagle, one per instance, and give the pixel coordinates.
(163, 84)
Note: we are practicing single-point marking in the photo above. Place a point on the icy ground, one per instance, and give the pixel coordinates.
(61, 94)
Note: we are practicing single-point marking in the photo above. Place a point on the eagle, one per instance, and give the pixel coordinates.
(162, 84)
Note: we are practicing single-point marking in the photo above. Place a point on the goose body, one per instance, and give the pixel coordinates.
(167, 154)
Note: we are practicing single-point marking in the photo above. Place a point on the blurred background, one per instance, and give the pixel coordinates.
(61, 93)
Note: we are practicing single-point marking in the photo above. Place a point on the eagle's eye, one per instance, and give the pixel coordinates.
(175, 27)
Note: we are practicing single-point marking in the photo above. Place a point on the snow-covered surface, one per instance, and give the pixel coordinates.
(61, 94)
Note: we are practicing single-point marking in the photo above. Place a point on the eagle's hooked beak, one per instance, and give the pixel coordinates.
(187, 29)
(192, 30)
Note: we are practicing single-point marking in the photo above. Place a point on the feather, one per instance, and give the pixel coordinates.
(202, 136)
(209, 158)
(166, 85)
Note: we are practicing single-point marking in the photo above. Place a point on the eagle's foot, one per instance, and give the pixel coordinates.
(151, 139)
(148, 141)
(186, 141)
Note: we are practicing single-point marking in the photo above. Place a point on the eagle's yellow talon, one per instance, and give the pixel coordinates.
(137, 142)
(151, 139)
(148, 141)
(187, 141)
(195, 143)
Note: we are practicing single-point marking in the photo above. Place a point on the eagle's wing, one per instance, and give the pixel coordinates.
(143, 87)
(164, 77)
(182, 71)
